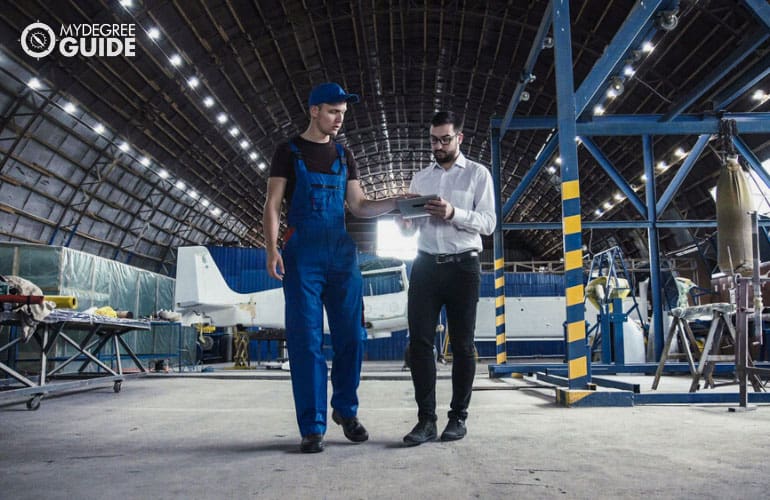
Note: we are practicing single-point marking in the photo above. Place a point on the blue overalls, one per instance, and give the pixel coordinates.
(321, 269)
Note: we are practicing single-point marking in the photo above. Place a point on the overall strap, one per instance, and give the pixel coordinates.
(296, 154)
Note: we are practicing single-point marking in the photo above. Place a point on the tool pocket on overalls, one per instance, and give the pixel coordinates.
(319, 199)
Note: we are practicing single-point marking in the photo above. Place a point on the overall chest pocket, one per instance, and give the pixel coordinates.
(322, 196)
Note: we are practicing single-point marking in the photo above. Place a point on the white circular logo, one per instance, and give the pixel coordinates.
(38, 40)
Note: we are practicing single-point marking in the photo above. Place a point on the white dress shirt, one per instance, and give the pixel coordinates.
(467, 185)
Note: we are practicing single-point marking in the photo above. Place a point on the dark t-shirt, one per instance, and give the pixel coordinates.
(319, 157)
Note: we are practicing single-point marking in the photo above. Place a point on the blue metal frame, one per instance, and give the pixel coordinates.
(638, 27)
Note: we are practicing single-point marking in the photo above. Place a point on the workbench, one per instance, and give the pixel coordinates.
(100, 331)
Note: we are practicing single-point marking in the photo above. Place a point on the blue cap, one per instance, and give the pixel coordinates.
(330, 93)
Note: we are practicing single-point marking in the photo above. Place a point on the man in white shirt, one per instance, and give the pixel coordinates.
(446, 273)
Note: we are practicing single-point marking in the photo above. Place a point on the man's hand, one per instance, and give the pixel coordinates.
(440, 208)
(275, 264)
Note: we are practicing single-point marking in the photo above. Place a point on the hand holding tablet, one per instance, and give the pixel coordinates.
(412, 208)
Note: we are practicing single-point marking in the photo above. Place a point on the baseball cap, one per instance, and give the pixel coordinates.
(330, 93)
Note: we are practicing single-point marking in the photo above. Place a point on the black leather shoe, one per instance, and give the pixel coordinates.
(312, 443)
(455, 429)
(424, 431)
(352, 428)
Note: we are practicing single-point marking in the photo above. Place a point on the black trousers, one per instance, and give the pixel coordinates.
(454, 285)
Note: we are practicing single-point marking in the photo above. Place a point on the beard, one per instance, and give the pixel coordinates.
(443, 156)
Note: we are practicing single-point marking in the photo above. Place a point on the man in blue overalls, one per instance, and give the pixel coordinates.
(319, 265)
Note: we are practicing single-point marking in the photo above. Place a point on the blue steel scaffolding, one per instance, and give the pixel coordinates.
(639, 27)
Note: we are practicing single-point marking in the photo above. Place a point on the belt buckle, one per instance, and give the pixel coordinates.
(444, 258)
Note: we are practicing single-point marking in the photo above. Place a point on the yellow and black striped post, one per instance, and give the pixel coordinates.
(500, 340)
(575, 329)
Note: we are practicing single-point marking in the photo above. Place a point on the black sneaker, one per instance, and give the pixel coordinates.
(424, 431)
(352, 428)
(312, 443)
(455, 429)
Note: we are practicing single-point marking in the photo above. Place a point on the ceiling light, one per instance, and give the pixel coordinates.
(234, 131)
(193, 82)
(647, 47)
(598, 212)
(145, 161)
(611, 93)
(616, 84)
(667, 20)
(205, 202)
(618, 196)
(179, 185)
(175, 60)
(70, 108)
(208, 101)
(253, 155)
(99, 128)
(34, 83)
(598, 109)
(551, 169)
(163, 174)
(680, 153)
(244, 144)
(262, 165)
(126, 3)
(222, 118)
(758, 95)
(628, 70)
(193, 194)
(558, 160)
(124, 146)
(216, 211)
(607, 205)
(153, 33)
(644, 177)
(662, 165)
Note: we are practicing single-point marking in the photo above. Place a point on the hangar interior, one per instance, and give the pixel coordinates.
(129, 158)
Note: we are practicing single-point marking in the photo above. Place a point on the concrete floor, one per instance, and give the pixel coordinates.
(169, 437)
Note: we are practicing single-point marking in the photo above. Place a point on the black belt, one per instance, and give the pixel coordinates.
(446, 258)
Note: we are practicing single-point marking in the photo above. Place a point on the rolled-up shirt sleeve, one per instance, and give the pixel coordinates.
(481, 218)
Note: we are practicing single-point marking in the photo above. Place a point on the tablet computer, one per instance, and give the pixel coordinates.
(411, 208)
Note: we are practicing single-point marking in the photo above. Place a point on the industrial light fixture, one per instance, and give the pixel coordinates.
(551, 169)
(145, 161)
(616, 85)
(524, 96)
(667, 20)
(758, 95)
(99, 128)
(628, 70)
(205, 202)
(222, 118)
(208, 101)
(244, 144)
(647, 47)
(598, 109)
(34, 83)
(153, 33)
(175, 60)
(163, 174)
(193, 82)
(253, 155)
(70, 108)
(234, 131)
(124, 147)
(262, 165)
(180, 185)
(548, 42)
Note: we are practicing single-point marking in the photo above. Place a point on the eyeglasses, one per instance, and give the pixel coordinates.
(445, 140)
